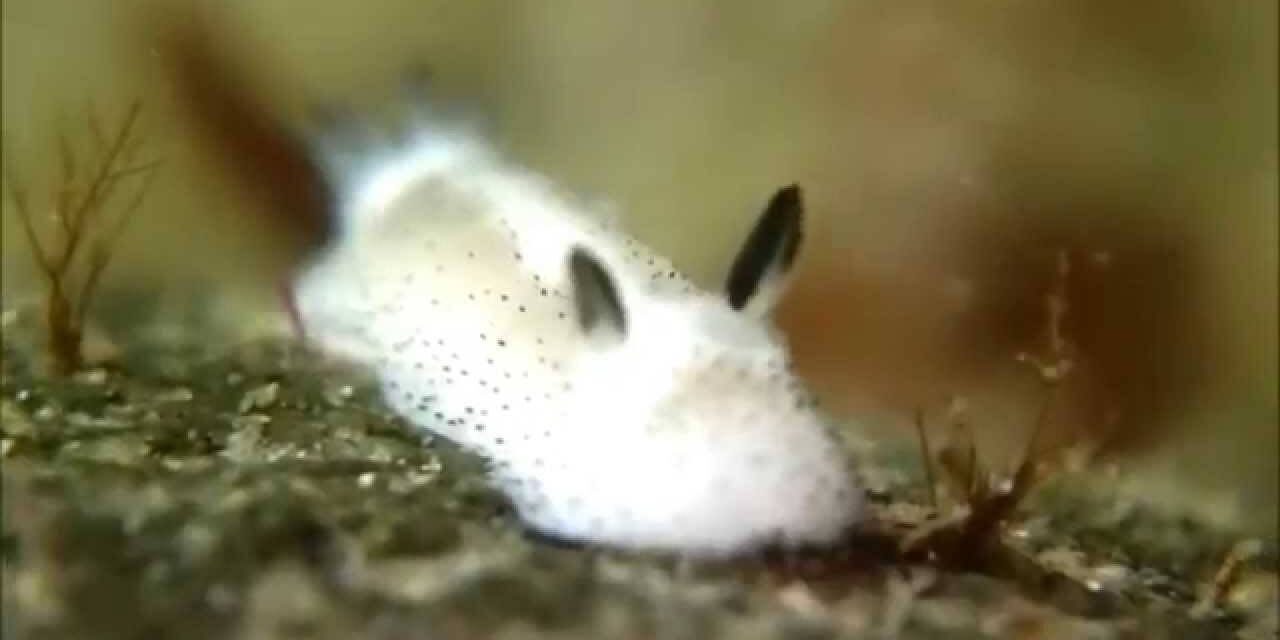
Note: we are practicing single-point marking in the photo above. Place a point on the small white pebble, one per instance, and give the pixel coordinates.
(93, 377)
(180, 394)
(1109, 576)
(799, 599)
(337, 397)
(260, 397)
(253, 420)
(366, 479)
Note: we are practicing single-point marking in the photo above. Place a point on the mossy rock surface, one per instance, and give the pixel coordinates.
(197, 490)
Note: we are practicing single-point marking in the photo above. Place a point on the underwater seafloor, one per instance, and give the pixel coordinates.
(202, 485)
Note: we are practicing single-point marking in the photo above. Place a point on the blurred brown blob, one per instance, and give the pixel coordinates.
(218, 99)
(1000, 137)
(919, 338)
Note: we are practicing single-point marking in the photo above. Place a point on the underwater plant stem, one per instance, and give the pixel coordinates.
(927, 455)
(75, 208)
(64, 334)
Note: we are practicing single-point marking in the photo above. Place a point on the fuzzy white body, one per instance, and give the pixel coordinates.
(690, 434)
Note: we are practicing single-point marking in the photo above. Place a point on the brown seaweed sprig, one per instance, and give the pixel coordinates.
(988, 499)
(96, 194)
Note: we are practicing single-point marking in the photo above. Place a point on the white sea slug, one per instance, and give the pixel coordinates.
(618, 403)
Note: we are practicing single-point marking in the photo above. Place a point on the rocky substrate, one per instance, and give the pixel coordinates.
(189, 490)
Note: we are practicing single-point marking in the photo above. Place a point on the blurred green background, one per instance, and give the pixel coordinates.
(944, 147)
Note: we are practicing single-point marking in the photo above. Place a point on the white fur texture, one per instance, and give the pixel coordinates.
(450, 279)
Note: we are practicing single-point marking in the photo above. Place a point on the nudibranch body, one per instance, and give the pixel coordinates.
(618, 403)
